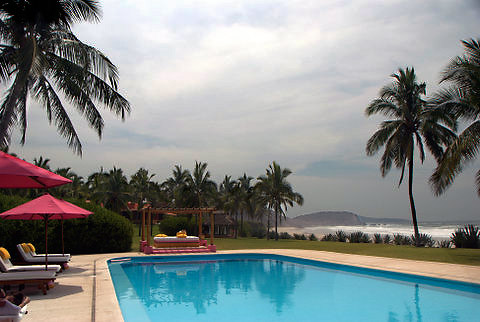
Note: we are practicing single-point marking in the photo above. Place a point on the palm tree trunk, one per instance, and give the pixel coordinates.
(268, 225)
(241, 222)
(412, 203)
(236, 224)
(276, 222)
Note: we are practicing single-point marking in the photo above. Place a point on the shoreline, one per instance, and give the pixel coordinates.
(437, 233)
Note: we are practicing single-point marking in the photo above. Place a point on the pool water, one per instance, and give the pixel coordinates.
(255, 287)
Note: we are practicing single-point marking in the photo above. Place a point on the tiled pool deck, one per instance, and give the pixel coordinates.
(85, 291)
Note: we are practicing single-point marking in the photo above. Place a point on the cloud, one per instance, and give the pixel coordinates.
(240, 84)
(336, 168)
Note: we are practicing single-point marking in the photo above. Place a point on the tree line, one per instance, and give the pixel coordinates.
(260, 199)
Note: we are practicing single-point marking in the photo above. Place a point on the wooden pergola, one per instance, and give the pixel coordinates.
(178, 211)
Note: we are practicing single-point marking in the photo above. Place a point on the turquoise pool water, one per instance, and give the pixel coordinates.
(256, 287)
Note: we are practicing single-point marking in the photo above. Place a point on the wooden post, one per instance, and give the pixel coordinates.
(149, 228)
(212, 227)
(143, 224)
(200, 225)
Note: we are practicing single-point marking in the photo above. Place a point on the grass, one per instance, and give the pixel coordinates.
(445, 255)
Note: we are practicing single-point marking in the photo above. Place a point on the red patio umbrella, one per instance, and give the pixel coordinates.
(17, 173)
(46, 207)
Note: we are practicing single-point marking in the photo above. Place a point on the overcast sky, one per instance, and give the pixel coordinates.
(241, 83)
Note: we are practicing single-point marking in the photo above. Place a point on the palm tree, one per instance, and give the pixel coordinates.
(76, 189)
(40, 57)
(114, 190)
(246, 193)
(412, 121)
(95, 182)
(142, 185)
(200, 185)
(42, 163)
(462, 99)
(227, 197)
(277, 192)
(174, 186)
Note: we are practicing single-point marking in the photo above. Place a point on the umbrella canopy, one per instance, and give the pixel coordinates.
(46, 207)
(17, 173)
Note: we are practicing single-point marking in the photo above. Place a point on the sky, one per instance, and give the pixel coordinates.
(239, 84)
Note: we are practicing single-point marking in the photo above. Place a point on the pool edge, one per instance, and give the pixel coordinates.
(107, 307)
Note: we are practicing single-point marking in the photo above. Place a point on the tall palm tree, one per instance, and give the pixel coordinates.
(227, 197)
(174, 186)
(76, 189)
(200, 185)
(246, 193)
(114, 190)
(142, 186)
(412, 122)
(40, 57)
(277, 192)
(94, 183)
(462, 99)
(42, 163)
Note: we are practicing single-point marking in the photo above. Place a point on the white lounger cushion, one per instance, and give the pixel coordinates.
(11, 313)
(6, 266)
(174, 239)
(27, 275)
(39, 258)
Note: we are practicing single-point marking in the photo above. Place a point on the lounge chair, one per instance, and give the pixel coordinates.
(28, 256)
(41, 278)
(7, 266)
(12, 317)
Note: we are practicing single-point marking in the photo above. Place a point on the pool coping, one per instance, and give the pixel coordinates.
(98, 291)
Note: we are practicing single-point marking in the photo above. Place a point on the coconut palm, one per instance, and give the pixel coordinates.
(277, 192)
(113, 191)
(42, 163)
(228, 197)
(200, 185)
(142, 186)
(174, 186)
(462, 98)
(412, 122)
(76, 189)
(40, 57)
(246, 193)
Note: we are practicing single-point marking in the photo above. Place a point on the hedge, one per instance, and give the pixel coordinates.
(103, 232)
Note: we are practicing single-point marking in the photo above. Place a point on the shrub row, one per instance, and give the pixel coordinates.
(102, 232)
(467, 237)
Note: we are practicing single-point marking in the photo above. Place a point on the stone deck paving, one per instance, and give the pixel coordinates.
(85, 291)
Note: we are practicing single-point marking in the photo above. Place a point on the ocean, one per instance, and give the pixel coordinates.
(436, 231)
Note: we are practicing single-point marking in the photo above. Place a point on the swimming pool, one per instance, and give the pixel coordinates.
(259, 287)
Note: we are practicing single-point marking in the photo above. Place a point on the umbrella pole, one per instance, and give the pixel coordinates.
(46, 241)
(63, 244)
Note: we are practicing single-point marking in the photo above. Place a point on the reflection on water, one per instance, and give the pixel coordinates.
(198, 284)
(276, 290)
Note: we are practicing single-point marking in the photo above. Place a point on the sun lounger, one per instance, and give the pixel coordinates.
(34, 254)
(28, 256)
(7, 312)
(41, 278)
(172, 241)
(7, 266)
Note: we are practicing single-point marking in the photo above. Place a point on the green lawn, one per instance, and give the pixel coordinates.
(446, 255)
